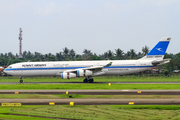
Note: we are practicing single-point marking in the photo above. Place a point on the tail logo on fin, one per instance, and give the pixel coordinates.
(160, 49)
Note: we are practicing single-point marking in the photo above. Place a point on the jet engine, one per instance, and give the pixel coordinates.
(84, 73)
(68, 75)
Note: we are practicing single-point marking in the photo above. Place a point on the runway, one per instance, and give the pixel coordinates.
(95, 92)
(90, 83)
(93, 101)
(83, 101)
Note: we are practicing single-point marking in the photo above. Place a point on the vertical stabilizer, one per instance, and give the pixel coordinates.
(158, 52)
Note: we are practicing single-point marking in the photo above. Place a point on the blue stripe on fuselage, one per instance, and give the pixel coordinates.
(63, 68)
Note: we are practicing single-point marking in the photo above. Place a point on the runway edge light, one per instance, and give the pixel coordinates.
(67, 92)
(109, 84)
(71, 103)
(16, 92)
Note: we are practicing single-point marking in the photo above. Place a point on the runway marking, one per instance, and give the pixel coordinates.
(131, 103)
(71, 103)
(51, 103)
(11, 104)
(138, 91)
(125, 90)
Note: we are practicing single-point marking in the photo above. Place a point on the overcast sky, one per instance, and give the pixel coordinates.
(98, 25)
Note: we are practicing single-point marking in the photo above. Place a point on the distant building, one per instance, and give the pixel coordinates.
(1, 70)
(176, 71)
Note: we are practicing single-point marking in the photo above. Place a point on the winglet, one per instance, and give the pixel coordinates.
(109, 64)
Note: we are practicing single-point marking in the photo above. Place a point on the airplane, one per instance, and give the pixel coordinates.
(89, 69)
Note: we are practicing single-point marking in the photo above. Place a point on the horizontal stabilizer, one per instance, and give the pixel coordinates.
(161, 62)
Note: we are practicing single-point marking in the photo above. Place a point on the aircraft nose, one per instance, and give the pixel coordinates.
(5, 71)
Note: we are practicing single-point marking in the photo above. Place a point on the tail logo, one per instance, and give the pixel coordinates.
(160, 49)
(168, 38)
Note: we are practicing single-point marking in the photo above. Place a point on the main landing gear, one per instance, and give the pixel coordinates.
(88, 79)
(21, 81)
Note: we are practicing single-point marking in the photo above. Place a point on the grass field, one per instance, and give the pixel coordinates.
(94, 112)
(88, 86)
(127, 78)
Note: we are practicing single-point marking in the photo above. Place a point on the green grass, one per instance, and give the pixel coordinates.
(28, 96)
(40, 96)
(87, 86)
(126, 78)
(96, 112)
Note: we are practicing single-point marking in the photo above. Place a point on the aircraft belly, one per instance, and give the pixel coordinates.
(34, 73)
(29, 73)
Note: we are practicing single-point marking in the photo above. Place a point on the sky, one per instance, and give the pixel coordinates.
(98, 25)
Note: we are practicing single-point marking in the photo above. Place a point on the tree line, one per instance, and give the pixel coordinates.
(70, 55)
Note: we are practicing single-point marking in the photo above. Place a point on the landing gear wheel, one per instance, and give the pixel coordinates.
(21, 81)
(91, 80)
(85, 80)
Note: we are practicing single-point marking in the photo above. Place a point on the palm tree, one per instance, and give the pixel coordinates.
(145, 50)
(132, 53)
(110, 55)
(10, 55)
(24, 54)
(105, 55)
(59, 56)
(139, 55)
(72, 54)
(119, 54)
(127, 55)
(66, 53)
(87, 54)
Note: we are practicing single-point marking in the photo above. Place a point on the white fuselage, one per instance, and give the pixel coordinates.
(118, 67)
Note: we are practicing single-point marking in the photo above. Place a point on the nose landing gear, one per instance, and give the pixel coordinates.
(21, 81)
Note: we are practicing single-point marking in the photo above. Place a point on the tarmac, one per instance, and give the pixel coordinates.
(78, 101)
(95, 92)
(93, 101)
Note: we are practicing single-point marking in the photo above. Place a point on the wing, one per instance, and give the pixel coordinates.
(94, 69)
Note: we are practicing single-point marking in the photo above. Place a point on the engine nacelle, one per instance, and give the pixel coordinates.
(68, 75)
(84, 73)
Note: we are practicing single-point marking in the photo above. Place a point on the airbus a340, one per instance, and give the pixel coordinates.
(88, 69)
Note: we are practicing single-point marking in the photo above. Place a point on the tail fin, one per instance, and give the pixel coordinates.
(158, 52)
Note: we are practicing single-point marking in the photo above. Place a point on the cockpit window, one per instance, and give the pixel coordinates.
(10, 67)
